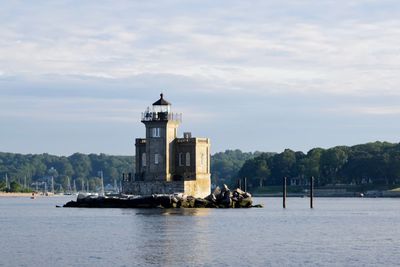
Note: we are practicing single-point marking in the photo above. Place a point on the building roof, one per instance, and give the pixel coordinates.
(161, 101)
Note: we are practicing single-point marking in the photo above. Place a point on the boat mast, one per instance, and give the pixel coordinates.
(102, 183)
(7, 187)
(52, 184)
(116, 186)
(68, 186)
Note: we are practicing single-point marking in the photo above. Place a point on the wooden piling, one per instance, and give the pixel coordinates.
(311, 192)
(284, 193)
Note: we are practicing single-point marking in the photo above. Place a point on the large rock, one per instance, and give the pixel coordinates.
(219, 198)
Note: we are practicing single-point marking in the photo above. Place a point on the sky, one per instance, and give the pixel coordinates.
(251, 75)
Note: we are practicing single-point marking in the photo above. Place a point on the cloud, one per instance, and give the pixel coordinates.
(367, 110)
(69, 109)
(269, 51)
(259, 65)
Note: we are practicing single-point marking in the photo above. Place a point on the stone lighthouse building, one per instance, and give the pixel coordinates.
(166, 164)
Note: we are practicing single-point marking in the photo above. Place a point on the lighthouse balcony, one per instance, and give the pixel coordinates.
(161, 116)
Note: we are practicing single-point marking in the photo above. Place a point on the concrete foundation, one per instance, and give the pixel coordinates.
(198, 188)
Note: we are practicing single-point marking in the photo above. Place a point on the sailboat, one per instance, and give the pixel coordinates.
(7, 185)
(60, 191)
(68, 191)
(74, 192)
(87, 193)
(102, 193)
(52, 185)
(116, 189)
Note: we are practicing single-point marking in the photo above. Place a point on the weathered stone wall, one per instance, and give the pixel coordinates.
(153, 187)
(192, 179)
(172, 130)
(202, 156)
(198, 188)
(140, 145)
(163, 146)
(155, 145)
(195, 188)
(183, 170)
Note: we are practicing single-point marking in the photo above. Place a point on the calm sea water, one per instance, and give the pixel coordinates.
(337, 232)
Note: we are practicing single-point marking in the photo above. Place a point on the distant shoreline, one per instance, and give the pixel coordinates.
(5, 194)
(16, 194)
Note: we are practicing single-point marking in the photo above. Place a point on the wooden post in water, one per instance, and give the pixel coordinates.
(245, 184)
(311, 192)
(284, 193)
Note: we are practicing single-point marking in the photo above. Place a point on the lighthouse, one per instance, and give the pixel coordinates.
(166, 163)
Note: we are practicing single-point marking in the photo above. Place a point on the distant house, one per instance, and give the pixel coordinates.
(109, 188)
(167, 164)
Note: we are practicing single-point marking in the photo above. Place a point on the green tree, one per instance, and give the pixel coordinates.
(394, 167)
(226, 165)
(331, 162)
(15, 187)
(82, 165)
(283, 165)
(2, 186)
(262, 171)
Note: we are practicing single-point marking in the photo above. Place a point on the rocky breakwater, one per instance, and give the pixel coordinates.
(219, 198)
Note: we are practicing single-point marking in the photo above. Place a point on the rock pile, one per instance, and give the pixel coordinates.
(225, 198)
(219, 198)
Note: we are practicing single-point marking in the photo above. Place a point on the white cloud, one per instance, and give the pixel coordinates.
(70, 109)
(366, 110)
(288, 53)
(292, 63)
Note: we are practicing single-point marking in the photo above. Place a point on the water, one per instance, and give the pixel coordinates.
(337, 232)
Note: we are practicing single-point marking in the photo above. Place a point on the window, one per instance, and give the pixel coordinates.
(155, 132)
(144, 159)
(181, 159)
(156, 158)
(187, 159)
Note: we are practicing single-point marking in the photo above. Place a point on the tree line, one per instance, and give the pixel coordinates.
(226, 165)
(30, 170)
(375, 163)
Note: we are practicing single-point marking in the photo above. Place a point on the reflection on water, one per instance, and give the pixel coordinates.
(166, 233)
(168, 212)
(337, 232)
